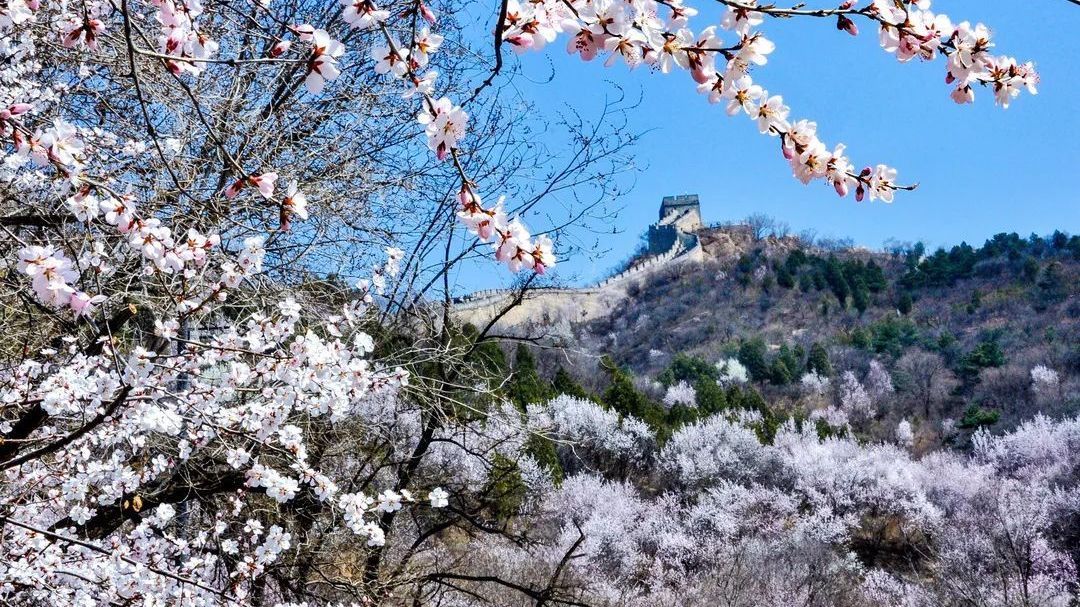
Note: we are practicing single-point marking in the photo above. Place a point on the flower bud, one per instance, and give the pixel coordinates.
(846, 25)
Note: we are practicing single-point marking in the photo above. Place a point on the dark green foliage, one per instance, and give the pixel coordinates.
(680, 415)
(779, 373)
(874, 277)
(623, 398)
(769, 424)
(711, 398)
(976, 417)
(767, 284)
(860, 338)
(785, 278)
(834, 276)
(1050, 288)
(505, 490)
(860, 296)
(744, 270)
(752, 356)
(542, 449)
(1031, 269)
(946, 341)
(1059, 241)
(824, 430)
(785, 367)
(904, 304)
(795, 260)
(892, 336)
(488, 356)
(689, 369)
(944, 268)
(752, 400)
(974, 302)
(792, 359)
(818, 360)
(525, 386)
(985, 355)
(747, 398)
(563, 383)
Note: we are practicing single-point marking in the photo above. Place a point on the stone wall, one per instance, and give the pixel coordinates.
(554, 304)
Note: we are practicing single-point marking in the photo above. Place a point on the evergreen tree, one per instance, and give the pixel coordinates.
(525, 386)
(505, 490)
(785, 278)
(1050, 288)
(905, 304)
(985, 355)
(711, 398)
(860, 338)
(488, 355)
(564, 383)
(798, 353)
(689, 369)
(779, 373)
(752, 356)
(785, 367)
(543, 450)
(795, 260)
(974, 302)
(860, 296)
(625, 399)
(1030, 269)
(818, 361)
(834, 276)
(874, 277)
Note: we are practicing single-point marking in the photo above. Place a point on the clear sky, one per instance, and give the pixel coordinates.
(981, 169)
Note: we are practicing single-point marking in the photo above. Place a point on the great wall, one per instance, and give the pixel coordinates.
(673, 239)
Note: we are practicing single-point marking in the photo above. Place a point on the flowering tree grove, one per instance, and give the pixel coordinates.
(222, 225)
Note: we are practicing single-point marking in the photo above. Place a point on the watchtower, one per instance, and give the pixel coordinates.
(683, 204)
(679, 216)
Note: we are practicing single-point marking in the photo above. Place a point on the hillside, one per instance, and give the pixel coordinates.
(956, 334)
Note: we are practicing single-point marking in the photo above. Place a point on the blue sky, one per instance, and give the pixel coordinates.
(981, 169)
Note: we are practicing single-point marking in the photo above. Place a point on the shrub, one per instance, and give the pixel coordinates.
(977, 417)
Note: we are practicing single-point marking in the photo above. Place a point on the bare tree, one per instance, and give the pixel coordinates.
(760, 224)
(924, 379)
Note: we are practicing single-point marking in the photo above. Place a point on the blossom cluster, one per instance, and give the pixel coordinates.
(723, 503)
(637, 33)
(909, 30)
(445, 123)
(241, 395)
(680, 394)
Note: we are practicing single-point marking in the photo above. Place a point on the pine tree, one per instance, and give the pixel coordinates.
(860, 296)
(784, 278)
(564, 383)
(905, 303)
(525, 386)
(752, 356)
(874, 277)
(818, 361)
(711, 397)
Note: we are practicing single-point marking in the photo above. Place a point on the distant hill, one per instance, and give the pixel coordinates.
(958, 331)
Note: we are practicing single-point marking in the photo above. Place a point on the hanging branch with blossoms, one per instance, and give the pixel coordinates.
(638, 34)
